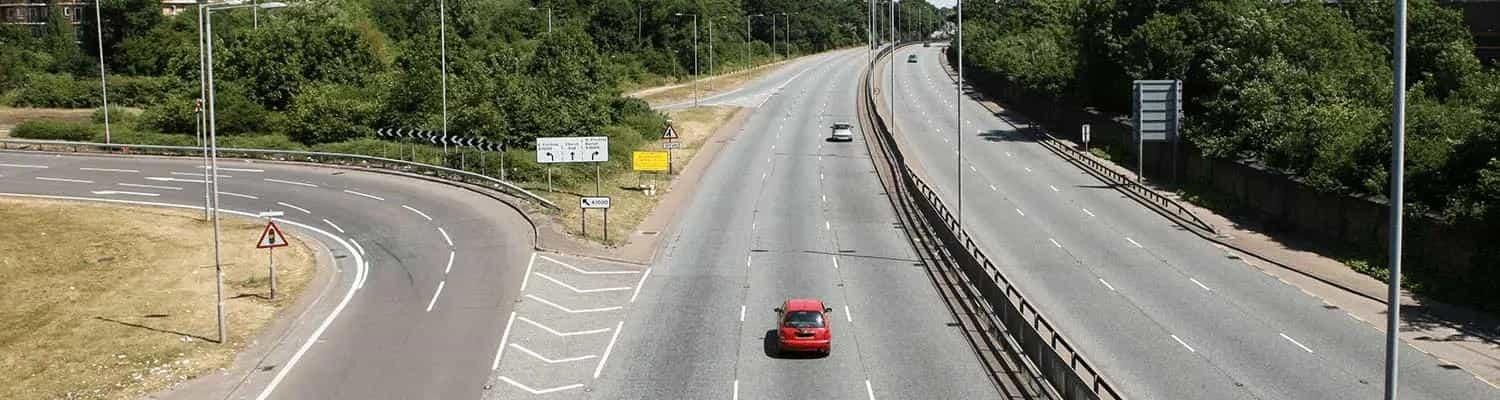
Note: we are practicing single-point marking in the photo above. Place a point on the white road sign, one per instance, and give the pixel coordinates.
(593, 202)
(551, 150)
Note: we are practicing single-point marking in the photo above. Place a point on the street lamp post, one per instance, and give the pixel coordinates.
(1398, 168)
(103, 85)
(443, 59)
(695, 55)
(959, 101)
(748, 37)
(787, 44)
(549, 20)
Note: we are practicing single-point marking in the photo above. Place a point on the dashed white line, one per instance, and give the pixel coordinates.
(1106, 284)
(1086, 211)
(1137, 244)
(993, 188)
(238, 169)
(835, 261)
(366, 195)
(577, 290)
(435, 295)
(290, 182)
(548, 360)
(971, 168)
(1294, 341)
(136, 185)
(445, 236)
(848, 316)
(742, 313)
(1200, 284)
(1054, 242)
(1018, 211)
(1054, 188)
(43, 178)
(504, 336)
(193, 174)
(569, 310)
(736, 389)
(128, 171)
(639, 284)
(23, 166)
(284, 204)
(869, 390)
(357, 246)
(1028, 169)
(1007, 154)
(424, 215)
(827, 225)
(167, 179)
(556, 333)
(608, 349)
(109, 192)
(1184, 344)
(449, 268)
(335, 227)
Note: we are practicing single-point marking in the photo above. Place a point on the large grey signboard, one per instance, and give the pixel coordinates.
(1157, 110)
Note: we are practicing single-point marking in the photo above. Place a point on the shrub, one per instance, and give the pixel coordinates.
(132, 136)
(140, 91)
(117, 115)
(43, 129)
(268, 142)
(174, 116)
(331, 113)
(56, 91)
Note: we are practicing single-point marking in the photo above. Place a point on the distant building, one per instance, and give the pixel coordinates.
(34, 13)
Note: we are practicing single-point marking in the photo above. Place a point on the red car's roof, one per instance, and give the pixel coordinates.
(804, 305)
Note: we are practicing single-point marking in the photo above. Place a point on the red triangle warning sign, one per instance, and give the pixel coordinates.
(272, 237)
(670, 134)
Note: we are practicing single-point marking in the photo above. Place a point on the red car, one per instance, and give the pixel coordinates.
(803, 325)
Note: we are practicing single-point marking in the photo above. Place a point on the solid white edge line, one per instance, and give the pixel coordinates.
(288, 205)
(449, 268)
(1184, 344)
(43, 178)
(357, 246)
(1106, 284)
(639, 284)
(239, 195)
(136, 185)
(363, 195)
(290, 182)
(131, 171)
(1200, 284)
(869, 390)
(110, 192)
(608, 349)
(527, 278)
(24, 166)
(330, 223)
(435, 295)
(1137, 244)
(424, 215)
(360, 272)
(445, 236)
(504, 336)
(1294, 341)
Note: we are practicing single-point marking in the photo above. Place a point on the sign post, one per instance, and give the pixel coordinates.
(270, 239)
(670, 135)
(1085, 138)
(651, 161)
(599, 202)
(1157, 116)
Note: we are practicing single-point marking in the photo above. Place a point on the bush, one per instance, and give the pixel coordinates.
(267, 142)
(117, 115)
(331, 113)
(43, 129)
(141, 91)
(132, 136)
(56, 91)
(173, 116)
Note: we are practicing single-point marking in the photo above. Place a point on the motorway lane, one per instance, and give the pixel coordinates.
(1163, 313)
(756, 92)
(781, 213)
(400, 337)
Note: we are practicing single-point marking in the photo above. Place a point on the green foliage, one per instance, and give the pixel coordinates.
(117, 115)
(331, 113)
(56, 91)
(43, 129)
(174, 116)
(270, 142)
(132, 136)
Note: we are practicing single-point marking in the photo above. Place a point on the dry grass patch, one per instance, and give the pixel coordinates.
(115, 302)
(709, 86)
(629, 202)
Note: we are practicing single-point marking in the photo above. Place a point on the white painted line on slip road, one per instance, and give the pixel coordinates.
(504, 336)
(848, 316)
(435, 295)
(608, 349)
(577, 290)
(424, 215)
(971, 168)
(512, 382)
(993, 188)
(835, 261)
(194, 174)
(1184, 344)
(449, 268)
(869, 390)
(1018, 211)
(639, 284)
(237, 169)
(109, 192)
(827, 225)
(43, 178)
(1132, 241)
(1054, 188)
(548, 360)
(129, 171)
(581, 271)
(747, 261)
(742, 313)
(1086, 211)
(1294, 341)
(135, 185)
(290, 182)
(23, 166)
(736, 389)
(238, 195)
(1054, 242)
(1027, 169)
(527, 278)
(363, 195)
(1200, 284)
(287, 205)
(164, 179)
(556, 333)
(357, 246)
(569, 310)
(1106, 284)
(335, 227)
(445, 236)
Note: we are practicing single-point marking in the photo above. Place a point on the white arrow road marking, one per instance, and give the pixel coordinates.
(43, 178)
(577, 290)
(608, 349)
(363, 195)
(131, 171)
(548, 360)
(150, 186)
(283, 204)
(424, 215)
(238, 195)
(556, 333)
(512, 382)
(569, 310)
(581, 271)
(106, 192)
(290, 182)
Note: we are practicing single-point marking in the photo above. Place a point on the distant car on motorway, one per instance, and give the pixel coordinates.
(911, 58)
(842, 132)
(803, 325)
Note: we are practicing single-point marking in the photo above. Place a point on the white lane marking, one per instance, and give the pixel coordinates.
(548, 360)
(424, 215)
(445, 236)
(569, 310)
(1086, 211)
(363, 195)
(639, 284)
(1132, 241)
(290, 182)
(109, 192)
(527, 278)
(736, 389)
(556, 333)
(504, 337)
(848, 315)
(577, 290)
(1294, 341)
(164, 179)
(1018, 211)
(43, 178)
(134, 185)
(1027, 169)
(335, 227)
(993, 188)
(1200, 284)
(825, 198)
(193, 174)
(835, 261)
(128, 171)
(747, 260)
(1054, 242)
(288, 205)
(449, 268)
(1054, 188)
(237, 169)
(435, 295)
(820, 176)
(356, 245)
(827, 225)
(971, 168)
(1184, 344)
(608, 349)
(581, 271)
(24, 166)
(1106, 284)
(1007, 154)
(238, 195)
(869, 390)
(512, 382)
(742, 313)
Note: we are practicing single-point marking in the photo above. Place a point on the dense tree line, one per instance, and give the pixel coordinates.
(1303, 86)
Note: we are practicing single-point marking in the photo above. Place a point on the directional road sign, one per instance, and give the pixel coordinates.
(552, 150)
(1158, 110)
(272, 237)
(593, 202)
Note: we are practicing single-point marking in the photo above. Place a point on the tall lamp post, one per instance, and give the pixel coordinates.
(787, 44)
(959, 98)
(103, 86)
(549, 20)
(1398, 168)
(443, 50)
(213, 138)
(695, 55)
(749, 38)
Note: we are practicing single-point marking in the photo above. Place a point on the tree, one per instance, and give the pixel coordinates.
(123, 19)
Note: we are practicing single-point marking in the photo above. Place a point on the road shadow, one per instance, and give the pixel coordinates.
(154, 329)
(773, 350)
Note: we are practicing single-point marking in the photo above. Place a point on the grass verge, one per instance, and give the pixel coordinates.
(708, 86)
(112, 302)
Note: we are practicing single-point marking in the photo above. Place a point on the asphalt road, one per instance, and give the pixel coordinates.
(444, 265)
(781, 214)
(1163, 313)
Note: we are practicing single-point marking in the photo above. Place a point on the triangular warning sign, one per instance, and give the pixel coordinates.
(272, 237)
(670, 134)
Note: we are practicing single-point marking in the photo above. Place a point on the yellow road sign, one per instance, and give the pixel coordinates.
(650, 160)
